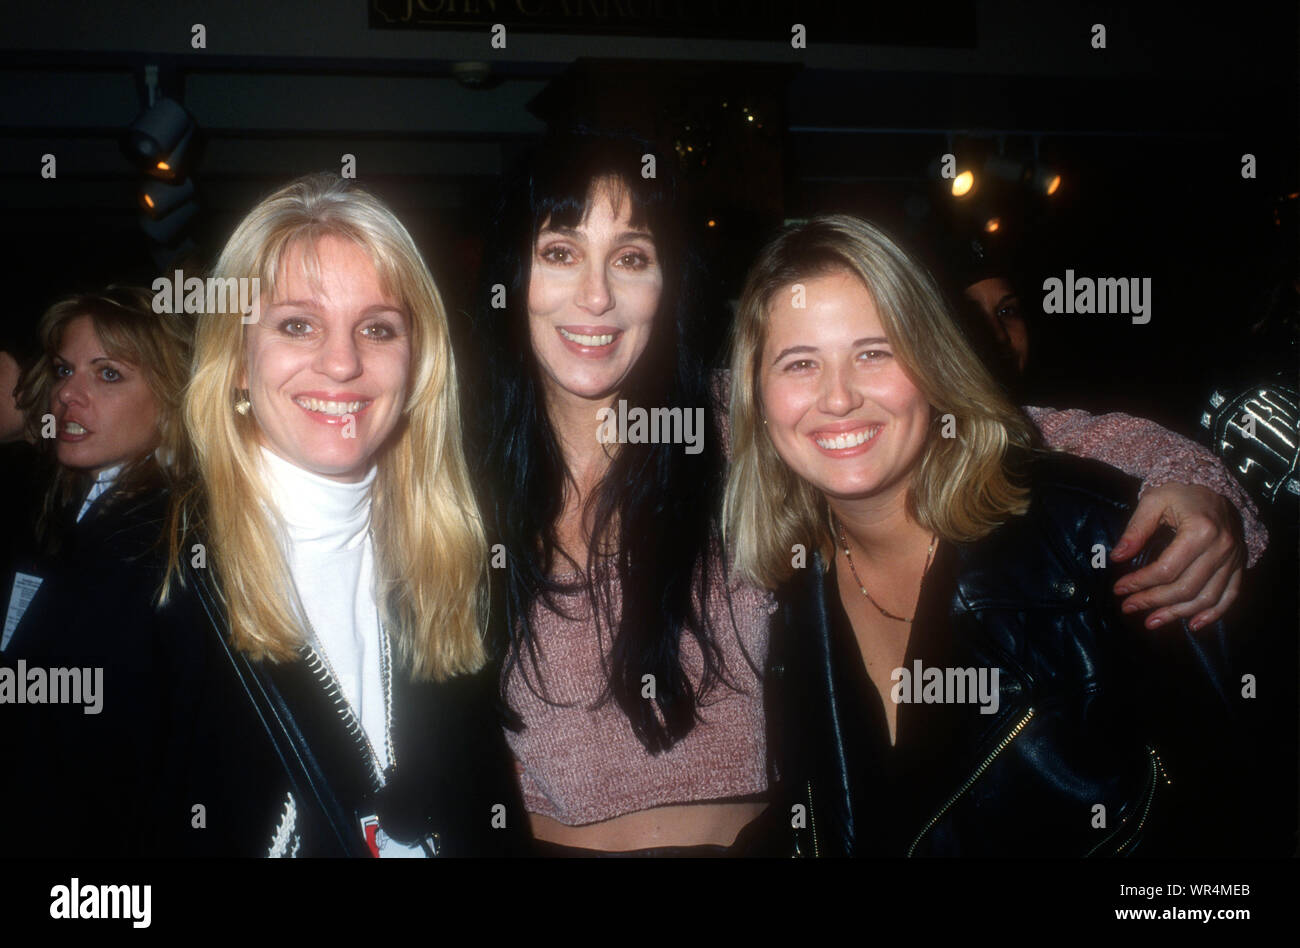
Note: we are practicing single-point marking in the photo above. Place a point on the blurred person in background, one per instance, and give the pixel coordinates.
(19, 478)
(101, 405)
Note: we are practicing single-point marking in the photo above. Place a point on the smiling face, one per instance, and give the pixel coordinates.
(592, 296)
(840, 410)
(327, 365)
(105, 412)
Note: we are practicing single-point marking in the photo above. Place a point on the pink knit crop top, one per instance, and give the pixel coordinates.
(584, 765)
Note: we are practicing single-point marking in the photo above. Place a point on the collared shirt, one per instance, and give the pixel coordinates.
(103, 481)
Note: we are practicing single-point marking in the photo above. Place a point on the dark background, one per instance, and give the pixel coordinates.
(1148, 134)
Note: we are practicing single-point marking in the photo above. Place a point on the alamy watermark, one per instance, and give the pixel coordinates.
(1129, 296)
(35, 685)
(179, 294)
(655, 426)
(933, 685)
(75, 900)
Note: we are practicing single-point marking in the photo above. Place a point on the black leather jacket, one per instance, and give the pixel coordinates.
(1100, 727)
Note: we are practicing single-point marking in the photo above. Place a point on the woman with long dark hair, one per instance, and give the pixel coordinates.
(630, 668)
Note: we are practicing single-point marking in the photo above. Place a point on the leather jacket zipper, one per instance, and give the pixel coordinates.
(319, 666)
(812, 823)
(1155, 773)
(970, 781)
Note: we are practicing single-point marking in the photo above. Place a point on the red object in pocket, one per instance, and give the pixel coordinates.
(370, 829)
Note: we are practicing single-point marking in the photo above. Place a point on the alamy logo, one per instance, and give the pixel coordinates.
(656, 426)
(1129, 296)
(103, 901)
(229, 295)
(34, 685)
(932, 685)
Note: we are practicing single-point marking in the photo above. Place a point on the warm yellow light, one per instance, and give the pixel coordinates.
(712, 222)
(1053, 184)
(750, 117)
(962, 184)
(991, 225)
(148, 200)
(163, 166)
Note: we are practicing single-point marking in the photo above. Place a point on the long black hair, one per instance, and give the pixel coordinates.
(657, 507)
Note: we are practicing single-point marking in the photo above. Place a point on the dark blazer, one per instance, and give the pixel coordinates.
(189, 755)
(21, 480)
(1093, 711)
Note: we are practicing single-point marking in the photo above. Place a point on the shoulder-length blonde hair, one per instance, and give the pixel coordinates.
(157, 346)
(961, 489)
(431, 555)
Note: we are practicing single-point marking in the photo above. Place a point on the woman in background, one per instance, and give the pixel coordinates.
(102, 401)
(18, 468)
(1185, 486)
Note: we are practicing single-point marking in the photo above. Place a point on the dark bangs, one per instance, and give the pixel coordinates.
(569, 171)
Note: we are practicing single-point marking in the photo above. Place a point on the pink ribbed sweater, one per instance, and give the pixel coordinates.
(583, 764)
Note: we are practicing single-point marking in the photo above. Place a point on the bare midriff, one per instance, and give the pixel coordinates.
(693, 824)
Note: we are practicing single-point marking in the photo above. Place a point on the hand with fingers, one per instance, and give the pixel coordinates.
(1199, 574)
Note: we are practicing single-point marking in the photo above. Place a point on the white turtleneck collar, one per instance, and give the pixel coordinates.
(321, 514)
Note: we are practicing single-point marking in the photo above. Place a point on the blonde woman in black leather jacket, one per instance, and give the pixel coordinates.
(950, 673)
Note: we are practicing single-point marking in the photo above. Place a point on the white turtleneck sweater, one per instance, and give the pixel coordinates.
(332, 563)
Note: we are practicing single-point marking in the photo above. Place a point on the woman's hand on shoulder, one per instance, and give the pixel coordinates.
(1199, 575)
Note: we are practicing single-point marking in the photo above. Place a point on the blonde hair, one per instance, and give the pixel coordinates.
(961, 488)
(158, 346)
(431, 554)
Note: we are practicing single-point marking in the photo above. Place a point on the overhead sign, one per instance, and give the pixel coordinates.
(947, 24)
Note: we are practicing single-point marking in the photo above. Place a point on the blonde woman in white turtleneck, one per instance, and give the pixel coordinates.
(313, 680)
(327, 372)
(343, 380)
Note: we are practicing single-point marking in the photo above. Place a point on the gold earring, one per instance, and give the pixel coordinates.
(242, 404)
